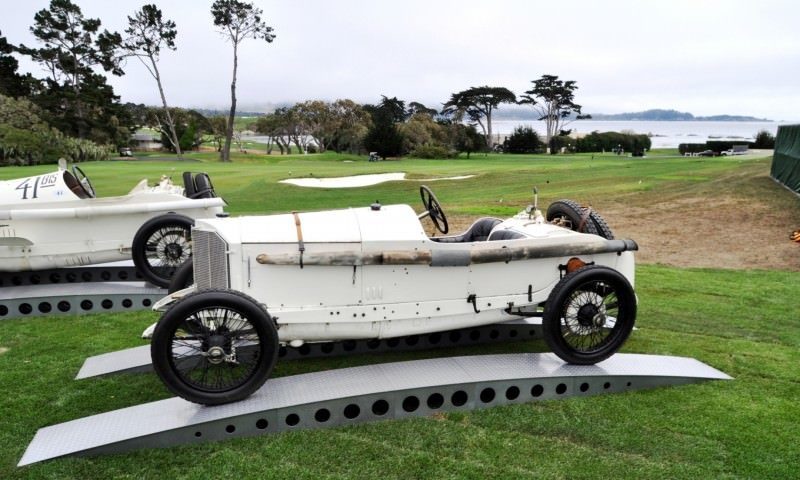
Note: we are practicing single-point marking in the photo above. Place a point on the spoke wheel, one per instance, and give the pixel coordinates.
(161, 246)
(589, 315)
(214, 347)
(434, 209)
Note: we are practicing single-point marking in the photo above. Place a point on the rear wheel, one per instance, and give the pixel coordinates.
(589, 315)
(162, 245)
(214, 347)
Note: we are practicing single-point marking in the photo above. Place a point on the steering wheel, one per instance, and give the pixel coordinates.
(433, 209)
(83, 181)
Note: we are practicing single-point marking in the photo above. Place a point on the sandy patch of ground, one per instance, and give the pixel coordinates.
(345, 182)
(742, 221)
(361, 180)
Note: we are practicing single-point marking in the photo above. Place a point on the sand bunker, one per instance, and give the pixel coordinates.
(359, 180)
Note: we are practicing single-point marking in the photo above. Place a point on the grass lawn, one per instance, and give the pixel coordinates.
(743, 322)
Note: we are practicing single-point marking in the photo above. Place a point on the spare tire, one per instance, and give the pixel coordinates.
(601, 226)
(570, 214)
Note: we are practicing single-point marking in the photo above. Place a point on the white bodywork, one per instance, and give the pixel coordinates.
(375, 273)
(44, 224)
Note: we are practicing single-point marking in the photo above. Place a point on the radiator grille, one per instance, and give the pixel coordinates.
(210, 260)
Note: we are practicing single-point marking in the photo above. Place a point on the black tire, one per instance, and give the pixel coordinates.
(569, 214)
(162, 245)
(183, 278)
(601, 226)
(208, 377)
(576, 306)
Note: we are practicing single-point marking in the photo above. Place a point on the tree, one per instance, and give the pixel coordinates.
(764, 139)
(416, 107)
(421, 131)
(217, 129)
(383, 136)
(25, 138)
(338, 125)
(237, 21)
(554, 101)
(464, 138)
(12, 84)
(277, 127)
(353, 122)
(148, 32)
(72, 46)
(478, 103)
(320, 120)
(185, 120)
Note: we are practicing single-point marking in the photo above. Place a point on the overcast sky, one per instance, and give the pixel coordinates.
(705, 57)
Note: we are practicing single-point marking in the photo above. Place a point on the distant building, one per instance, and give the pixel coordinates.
(146, 142)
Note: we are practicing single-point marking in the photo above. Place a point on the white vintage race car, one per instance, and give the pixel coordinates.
(371, 273)
(54, 220)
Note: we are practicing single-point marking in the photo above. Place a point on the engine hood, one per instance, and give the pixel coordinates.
(353, 225)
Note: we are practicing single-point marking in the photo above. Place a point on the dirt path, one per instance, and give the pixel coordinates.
(742, 221)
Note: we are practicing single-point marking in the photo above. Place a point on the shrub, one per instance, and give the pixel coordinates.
(522, 140)
(609, 141)
(25, 139)
(562, 142)
(432, 151)
(719, 146)
(685, 148)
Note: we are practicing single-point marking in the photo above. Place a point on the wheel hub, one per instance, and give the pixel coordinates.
(216, 355)
(173, 251)
(587, 315)
(218, 347)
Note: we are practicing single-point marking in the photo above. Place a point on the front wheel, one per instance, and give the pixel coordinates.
(589, 315)
(162, 245)
(214, 347)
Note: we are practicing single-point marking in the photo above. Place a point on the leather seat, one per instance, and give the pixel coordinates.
(505, 235)
(198, 187)
(477, 232)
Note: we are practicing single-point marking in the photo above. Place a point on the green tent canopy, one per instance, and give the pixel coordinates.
(786, 160)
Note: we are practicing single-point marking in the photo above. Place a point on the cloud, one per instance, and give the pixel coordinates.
(705, 57)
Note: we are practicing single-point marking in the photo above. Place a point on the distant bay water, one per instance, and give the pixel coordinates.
(664, 134)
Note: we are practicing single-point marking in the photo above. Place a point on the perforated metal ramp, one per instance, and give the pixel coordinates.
(137, 359)
(123, 271)
(361, 394)
(72, 298)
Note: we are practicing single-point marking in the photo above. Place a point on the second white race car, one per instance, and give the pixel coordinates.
(55, 220)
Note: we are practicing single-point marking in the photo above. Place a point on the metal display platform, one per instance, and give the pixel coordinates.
(107, 272)
(73, 298)
(361, 394)
(137, 359)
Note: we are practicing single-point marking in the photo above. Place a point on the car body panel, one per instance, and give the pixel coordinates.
(374, 273)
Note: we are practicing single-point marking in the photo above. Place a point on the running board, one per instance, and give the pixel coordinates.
(137, 359)
(361, 394)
